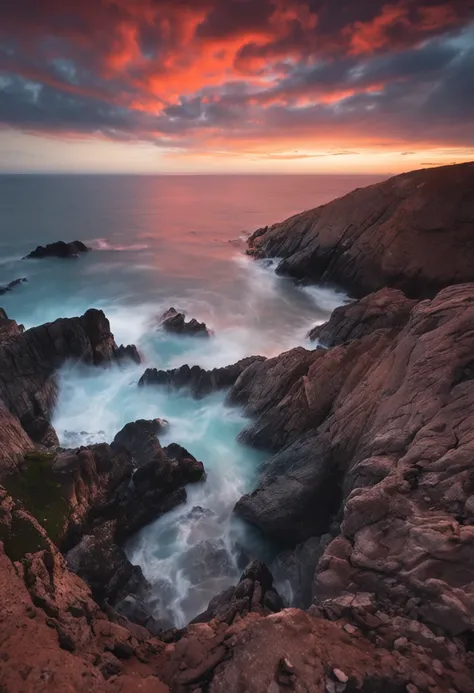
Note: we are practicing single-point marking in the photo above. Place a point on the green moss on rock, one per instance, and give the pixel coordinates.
(21, 537)
(38, 488)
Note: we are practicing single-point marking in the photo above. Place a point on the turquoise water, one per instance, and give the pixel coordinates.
(160, 242)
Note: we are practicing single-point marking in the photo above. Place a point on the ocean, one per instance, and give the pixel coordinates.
(162, 241)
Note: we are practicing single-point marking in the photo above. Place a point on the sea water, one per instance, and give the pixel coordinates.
(159, 242)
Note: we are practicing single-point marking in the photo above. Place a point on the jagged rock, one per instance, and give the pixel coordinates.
(413, 232)
(11, 285)
(199, 381)
(386, 420)
(128, 353)
(59, 249)
(175, 322)
(253, 593)
(54, 636)
(157, 486)
(106, 569)
(9, 329)
(140, 438)
(136, 610)
(29, 360)
(387, 308)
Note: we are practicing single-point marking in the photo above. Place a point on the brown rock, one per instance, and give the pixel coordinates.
(384, 421)
(413, 232)
(387, 308)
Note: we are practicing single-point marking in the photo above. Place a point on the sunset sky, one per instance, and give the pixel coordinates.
(235, 85)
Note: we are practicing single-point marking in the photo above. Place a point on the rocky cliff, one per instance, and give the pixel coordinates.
(414, 232)
(369, 491)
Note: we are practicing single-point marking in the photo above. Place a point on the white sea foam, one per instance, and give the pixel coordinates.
(105, 244)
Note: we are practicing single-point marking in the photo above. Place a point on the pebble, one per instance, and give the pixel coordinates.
(340, 675)
(411, 688)
(350, 629)
(437, 667)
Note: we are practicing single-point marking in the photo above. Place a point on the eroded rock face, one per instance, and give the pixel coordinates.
(175, 322)
(414, 232)
(254, 593)
(388, 419)
(140, 438)
(9, 329)
(14, 441)
(29, 360)
(199, 381)
(54, 637)
(59, 249)
(385, 309)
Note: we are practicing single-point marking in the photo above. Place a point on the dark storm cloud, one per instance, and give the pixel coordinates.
(186, 71)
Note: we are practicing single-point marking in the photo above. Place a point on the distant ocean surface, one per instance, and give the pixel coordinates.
(161, 241)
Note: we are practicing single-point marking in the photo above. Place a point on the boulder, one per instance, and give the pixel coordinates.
(59, 249)
(106, 569)
(413, 232)
(175, 322)
(199, 381)
(157, 486)
(140, 438)
(11, 285)
(253, 593)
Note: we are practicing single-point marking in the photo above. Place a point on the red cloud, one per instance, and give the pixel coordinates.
(146, 56)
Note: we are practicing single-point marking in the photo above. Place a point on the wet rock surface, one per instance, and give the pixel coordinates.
(386, 421)
(175, 322)
(6, 288)
(370, 489)
(30, 360)
(413, 232)
(385, 309)
(59, 249)
(197, 380)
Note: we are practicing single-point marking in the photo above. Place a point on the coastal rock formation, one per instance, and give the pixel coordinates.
(59, 249)
(378, 433)
(29, 360)
(414, 232)
(6, 288)
(254, 593)
(387, 308)
(54, 638)
(199, 381)
(369, 492)
(8, 328)
(140, 438)
(91, 500)
(175, 322)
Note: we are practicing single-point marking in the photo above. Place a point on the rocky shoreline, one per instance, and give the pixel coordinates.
(369, 490)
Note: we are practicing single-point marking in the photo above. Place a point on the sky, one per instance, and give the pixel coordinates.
(246, 86)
